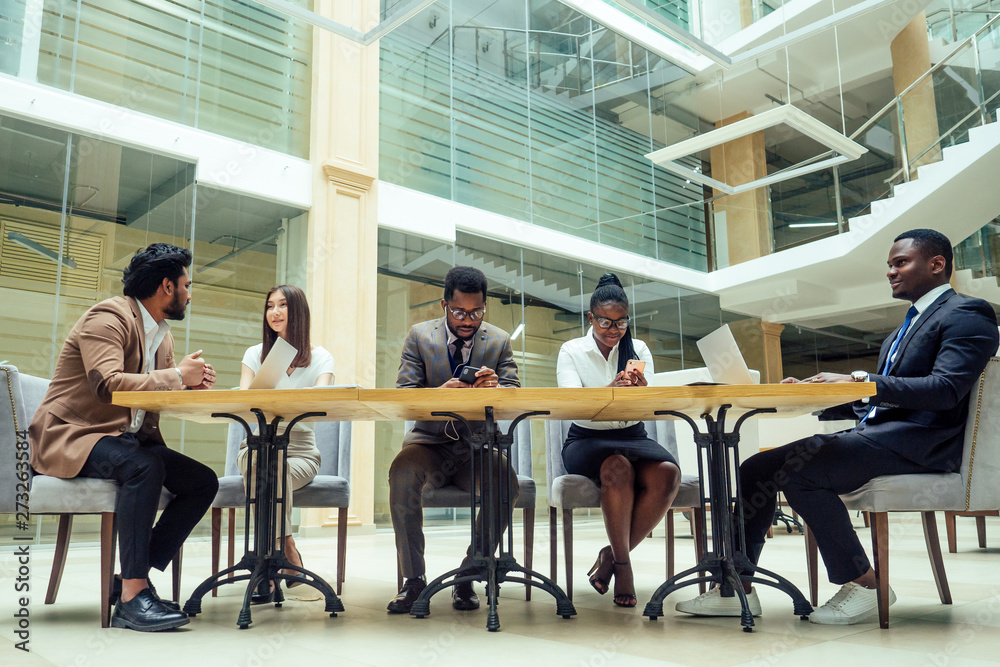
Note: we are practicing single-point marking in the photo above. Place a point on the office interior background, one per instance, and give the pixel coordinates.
(511, 135)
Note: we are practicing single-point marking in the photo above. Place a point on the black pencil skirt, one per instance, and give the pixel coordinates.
(585, 450)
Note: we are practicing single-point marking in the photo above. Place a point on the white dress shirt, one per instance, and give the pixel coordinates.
(155, 333)
(581, 364)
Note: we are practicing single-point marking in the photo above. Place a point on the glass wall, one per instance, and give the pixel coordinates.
(236, 69)
(531, 110)
(549, 295)
(74, 209)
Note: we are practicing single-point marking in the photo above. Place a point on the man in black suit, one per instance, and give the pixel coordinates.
(914, 424)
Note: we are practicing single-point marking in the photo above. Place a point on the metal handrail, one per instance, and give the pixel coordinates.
(944, 61)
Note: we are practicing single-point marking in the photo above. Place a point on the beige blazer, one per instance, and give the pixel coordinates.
(104, 353)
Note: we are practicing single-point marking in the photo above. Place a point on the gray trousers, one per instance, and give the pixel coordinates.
(430, 464)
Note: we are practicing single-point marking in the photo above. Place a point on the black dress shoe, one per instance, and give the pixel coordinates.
(146, 614)
(408, 594)
(464, 598)
(116, 594)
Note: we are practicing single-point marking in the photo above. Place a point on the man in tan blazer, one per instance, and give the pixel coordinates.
(124, 344)
(436, 452)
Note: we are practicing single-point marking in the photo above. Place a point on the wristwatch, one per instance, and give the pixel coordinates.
(181, 375)
(859, 376)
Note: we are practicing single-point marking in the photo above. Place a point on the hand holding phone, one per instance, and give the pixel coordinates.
(634, 365)
(468, 374)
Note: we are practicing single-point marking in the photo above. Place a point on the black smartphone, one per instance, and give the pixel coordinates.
(468, 374)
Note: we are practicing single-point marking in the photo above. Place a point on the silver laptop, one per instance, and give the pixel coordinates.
(275, 365)
(723, 358)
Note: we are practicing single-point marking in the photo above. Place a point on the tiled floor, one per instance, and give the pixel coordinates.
(923, 631)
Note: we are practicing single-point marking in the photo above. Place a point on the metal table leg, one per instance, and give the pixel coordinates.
(264, 561)
(497, 565)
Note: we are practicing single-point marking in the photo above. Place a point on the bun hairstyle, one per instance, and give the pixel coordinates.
(610, 290)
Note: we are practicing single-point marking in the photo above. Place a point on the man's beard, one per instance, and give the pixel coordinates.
(175, 311)
(455, 333)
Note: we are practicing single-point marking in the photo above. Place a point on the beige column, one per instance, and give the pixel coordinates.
(343, 231)
(746, 13)
(747, 215)
(760, 343)
(911, 57)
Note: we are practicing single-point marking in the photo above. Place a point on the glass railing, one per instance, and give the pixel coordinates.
(980, 253)
(936, 111)
(952, 23)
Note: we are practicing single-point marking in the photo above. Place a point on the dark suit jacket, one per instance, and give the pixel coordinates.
(424, 363)
(924, 399)
(105, 352)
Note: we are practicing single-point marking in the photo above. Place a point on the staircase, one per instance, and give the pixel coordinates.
(845, 274)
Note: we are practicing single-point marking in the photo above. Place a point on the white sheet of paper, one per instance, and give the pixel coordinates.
(275, 365)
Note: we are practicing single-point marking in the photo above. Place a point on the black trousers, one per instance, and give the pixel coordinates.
(142, 468)
(812, 473)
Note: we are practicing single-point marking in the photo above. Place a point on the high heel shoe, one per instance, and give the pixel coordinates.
(302, 564)
(624, 599)
(600, 585)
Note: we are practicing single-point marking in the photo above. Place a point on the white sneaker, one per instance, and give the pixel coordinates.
(852, 604)
(712, 603)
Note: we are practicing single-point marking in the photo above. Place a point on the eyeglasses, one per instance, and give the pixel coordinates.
(605, 323)
(460, 315)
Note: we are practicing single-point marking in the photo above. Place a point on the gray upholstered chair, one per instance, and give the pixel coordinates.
(973, 488)
(569, 492)
(450, 496)
(330, 488)
(63, 497)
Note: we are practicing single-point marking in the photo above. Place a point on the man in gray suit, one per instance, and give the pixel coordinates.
(437, 452)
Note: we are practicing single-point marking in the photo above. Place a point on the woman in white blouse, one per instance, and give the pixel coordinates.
(638, 478)
(286, 316)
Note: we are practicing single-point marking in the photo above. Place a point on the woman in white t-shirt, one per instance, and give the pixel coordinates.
(286, 316)
(638, 478)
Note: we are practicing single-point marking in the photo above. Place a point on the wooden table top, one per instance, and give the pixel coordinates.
(790, 400)
(603, 403)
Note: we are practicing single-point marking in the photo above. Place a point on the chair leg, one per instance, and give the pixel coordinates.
(880, 547)
(342, 548)
(668, 525)
(698, 526)
(216, 539)
(864, 516)
(981, 529)
(568, 546)
(176, 572)
(553, 545)
(934, 554)
(59, 558)
(232, 539)
(949, 526)
(812, 565)
(108, 539)
(528, 519)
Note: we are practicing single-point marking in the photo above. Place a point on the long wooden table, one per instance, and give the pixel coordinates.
(718, 455)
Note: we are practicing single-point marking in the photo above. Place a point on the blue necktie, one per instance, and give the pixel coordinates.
(910, 314)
